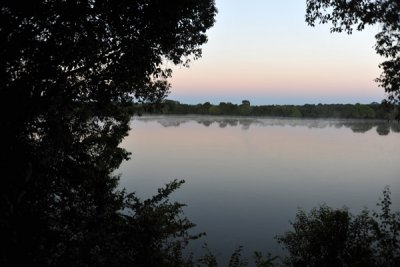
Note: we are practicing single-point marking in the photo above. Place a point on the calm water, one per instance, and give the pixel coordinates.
(246, 177)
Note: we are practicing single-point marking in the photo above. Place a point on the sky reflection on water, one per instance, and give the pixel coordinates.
(246, 177)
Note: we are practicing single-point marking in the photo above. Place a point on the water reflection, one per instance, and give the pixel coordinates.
(357, 126)
(246, 177)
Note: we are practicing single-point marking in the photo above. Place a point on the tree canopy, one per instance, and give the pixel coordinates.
(347, 15)
(69, 73)
(385, 111)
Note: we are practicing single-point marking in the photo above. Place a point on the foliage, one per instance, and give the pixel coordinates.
(236, 259)
(244, 108)
(357, 111)
(335, 237)
(155, 233)
(69, 72)
(269, 261)
(347, 15)
(208, 259)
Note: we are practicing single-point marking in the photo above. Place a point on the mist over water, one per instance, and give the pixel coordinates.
(246, 177)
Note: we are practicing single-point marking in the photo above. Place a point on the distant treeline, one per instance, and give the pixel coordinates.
(357, 111)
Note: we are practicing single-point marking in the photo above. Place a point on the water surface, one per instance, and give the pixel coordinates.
(246, 177)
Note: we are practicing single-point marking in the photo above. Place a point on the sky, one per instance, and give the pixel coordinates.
(264, 51)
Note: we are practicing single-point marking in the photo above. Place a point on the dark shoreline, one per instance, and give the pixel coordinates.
(383, 111)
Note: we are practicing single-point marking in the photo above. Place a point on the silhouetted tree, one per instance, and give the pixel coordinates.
(69, 73)
(357, 111)
(154, 232)
(353, 14)
(335, 237)
(244, 108)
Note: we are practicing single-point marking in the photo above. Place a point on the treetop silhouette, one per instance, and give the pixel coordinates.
(347, 15)
(69, 73)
